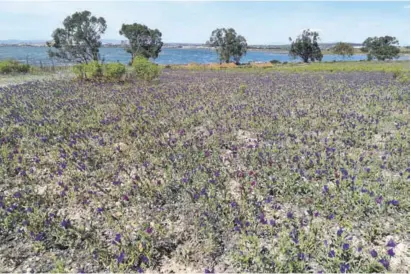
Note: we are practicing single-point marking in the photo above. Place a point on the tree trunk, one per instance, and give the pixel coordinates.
(132, 59)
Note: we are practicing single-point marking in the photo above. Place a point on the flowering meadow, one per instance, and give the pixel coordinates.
(207, 171)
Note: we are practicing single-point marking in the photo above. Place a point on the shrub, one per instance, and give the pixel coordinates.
(114, 71)
(145, 70)
(402, 75)
(9, 66)
(275, 62)
(93, 70)
(79, 71)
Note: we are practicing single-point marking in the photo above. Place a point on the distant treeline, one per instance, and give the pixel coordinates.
(79, 40)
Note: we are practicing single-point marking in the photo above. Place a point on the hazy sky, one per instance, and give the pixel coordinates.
(193, 22)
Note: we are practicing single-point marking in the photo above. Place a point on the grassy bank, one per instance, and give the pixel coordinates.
(398, 68)
(389, 67)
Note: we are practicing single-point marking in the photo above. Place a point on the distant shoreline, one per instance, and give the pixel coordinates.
(272, 50)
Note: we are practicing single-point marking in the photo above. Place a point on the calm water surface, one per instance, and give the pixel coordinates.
(35, 55)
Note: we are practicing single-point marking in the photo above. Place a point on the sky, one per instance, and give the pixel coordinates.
(193, 22)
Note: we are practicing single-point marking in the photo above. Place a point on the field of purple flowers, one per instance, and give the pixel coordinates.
(209, 171)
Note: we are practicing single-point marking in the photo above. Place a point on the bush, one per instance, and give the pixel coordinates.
(145, 70)
(114, 71)
(93, 70)
(9, 66)
(275, 62)
(79, 71)
(402, 75)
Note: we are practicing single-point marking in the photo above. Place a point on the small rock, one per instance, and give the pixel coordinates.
(41, 190)
(121, 147)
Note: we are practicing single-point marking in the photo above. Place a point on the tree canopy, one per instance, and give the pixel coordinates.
(306, 46)
(142, 40)
(79, 39)
(228, 44)
(343, 49)
(381, 48)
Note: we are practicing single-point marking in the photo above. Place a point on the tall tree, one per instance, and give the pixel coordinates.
(343, 49)
(381, 48)
(142, 41)
(228, 44)
(79, 39)
(306, 46)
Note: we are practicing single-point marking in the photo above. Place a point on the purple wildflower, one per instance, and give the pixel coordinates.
(391, 243)
(65, 223)
(385, 263)
(373, 253)
(40, 236)
(117, 182)
(344, 267)
(120, 258)
(325, 189)
(393, 202)
(391, 252)
(145, 259)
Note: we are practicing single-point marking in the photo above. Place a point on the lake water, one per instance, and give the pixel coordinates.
(35, 55)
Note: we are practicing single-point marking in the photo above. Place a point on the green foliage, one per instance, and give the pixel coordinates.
(228, 44)
(402, 76)
(93, 70)
(114, 71)
(10, 66)
(79, 71)
(306, 46)
(343, 49)
(145, 70)
(381, 48)
(59, 267)
(142, 40)
(79, 40)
